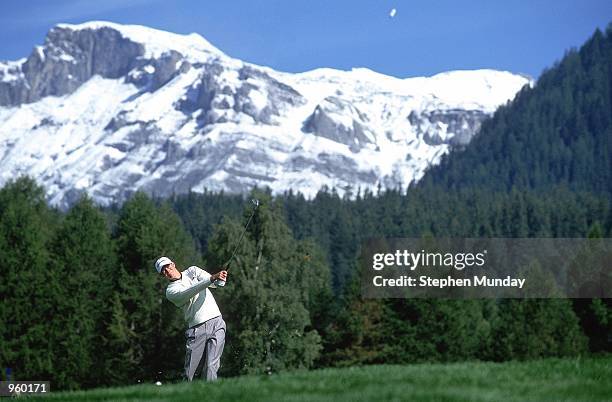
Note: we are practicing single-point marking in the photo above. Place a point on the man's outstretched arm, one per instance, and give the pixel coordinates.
(181, 296)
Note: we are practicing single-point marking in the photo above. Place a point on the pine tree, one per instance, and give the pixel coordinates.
(536, 328)
(357, 334)
(595, 314)
(28, 288)
(266, 299)
(83, 257)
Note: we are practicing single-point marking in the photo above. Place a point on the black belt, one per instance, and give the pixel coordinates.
(204, 322)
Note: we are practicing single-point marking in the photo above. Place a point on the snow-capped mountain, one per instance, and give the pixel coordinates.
(110, 109)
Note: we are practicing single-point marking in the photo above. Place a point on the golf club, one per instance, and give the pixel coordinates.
(255, 202)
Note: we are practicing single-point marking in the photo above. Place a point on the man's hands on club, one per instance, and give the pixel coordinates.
(219, 275)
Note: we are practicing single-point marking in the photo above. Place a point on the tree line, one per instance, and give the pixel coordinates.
(83, 307)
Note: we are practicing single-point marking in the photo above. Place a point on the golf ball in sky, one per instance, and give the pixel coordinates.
(392, 12)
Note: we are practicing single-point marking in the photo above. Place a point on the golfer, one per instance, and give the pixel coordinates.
(188, 290)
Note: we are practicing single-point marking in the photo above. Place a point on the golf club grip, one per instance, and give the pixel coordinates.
(220, 282)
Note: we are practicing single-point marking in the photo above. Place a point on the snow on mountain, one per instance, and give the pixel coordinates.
(156, 42)
(110, 109)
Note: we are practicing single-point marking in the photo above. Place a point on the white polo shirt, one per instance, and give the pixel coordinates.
(191, 294)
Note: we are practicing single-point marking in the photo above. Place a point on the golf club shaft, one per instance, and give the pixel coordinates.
(239, 240)
(220, 282)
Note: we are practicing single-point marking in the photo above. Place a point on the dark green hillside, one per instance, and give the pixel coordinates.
(557, 133)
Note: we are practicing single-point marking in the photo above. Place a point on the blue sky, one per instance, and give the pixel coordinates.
(424, 37)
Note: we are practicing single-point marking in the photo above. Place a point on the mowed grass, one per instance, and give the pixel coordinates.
(542, 380)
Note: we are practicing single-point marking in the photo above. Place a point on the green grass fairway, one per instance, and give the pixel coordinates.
(543, 380)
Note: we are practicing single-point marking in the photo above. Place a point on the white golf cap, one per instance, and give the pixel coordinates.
(162, 262)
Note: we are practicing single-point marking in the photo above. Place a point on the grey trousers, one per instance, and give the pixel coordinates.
(204, 348)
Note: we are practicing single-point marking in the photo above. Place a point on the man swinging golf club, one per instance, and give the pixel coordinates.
(188, 290)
